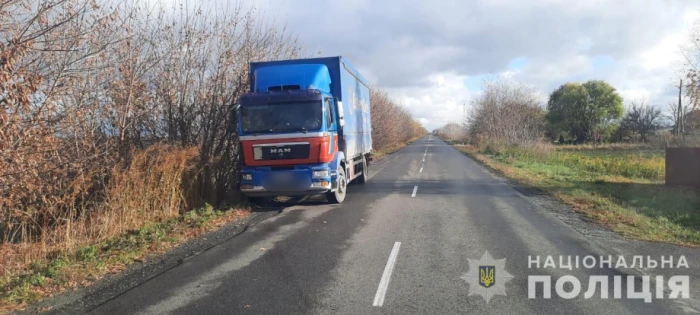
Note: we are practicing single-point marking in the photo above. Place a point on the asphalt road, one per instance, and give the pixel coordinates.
(443, 209)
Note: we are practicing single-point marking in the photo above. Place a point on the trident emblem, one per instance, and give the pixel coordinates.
(487, 276)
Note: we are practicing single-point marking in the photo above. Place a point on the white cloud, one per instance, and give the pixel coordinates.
(423, 51)
(443, 100)
(662, 54)
(635, 94)
(439, 102)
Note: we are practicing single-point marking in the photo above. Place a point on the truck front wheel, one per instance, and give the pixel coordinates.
(363, 177)
(338, 195)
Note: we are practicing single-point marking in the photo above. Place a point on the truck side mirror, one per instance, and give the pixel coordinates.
(341, 115)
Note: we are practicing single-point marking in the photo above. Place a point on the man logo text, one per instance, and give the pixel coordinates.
(281, 150)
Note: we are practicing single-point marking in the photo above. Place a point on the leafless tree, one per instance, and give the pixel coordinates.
(641, 119)
(507, 112)
(671, 115)
(691, 65)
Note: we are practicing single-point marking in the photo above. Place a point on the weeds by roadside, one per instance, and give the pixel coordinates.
(143, 208)
(637, 164)
(88, 263)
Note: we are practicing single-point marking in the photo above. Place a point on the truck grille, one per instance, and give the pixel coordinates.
(282, 151)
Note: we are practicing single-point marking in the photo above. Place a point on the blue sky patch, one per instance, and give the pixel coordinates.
(474, 82)
(517, 63)
(602, 61)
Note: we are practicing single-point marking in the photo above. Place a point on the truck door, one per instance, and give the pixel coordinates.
(331, 126)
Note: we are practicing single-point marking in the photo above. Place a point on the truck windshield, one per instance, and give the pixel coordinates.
(276, 117)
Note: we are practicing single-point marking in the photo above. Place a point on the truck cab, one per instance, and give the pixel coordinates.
(294, 134)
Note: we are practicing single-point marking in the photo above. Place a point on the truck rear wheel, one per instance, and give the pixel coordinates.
(363, 177)
(338, 195)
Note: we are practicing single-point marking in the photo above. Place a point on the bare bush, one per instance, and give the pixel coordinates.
(452, 131)
(506, 112)
(51, 155)
(392, 124)
(86, 87)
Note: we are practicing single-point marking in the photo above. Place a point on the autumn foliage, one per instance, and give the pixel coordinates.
(116, 114)
(392, 124)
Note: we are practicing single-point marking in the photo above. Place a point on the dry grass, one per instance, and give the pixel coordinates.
(91, 262)
(606, 146)
(149, 196)
(149, 190)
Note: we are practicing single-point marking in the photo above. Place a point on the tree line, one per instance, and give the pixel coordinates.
(575, 113)
(392, 124)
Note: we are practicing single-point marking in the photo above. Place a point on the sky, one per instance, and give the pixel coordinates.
(433, 55)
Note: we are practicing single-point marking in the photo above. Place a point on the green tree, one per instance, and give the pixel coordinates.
(581, 109)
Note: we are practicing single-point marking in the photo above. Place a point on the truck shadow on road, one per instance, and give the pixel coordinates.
(277, 204)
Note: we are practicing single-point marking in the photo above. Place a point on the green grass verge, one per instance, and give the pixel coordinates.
(620, 189)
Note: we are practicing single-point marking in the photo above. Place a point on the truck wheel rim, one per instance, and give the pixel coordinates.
(342, 185)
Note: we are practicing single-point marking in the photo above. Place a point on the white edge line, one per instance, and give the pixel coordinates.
(415, 189)
(421, 170)
(386, 276)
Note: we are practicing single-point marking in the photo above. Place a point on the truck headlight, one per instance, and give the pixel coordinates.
(247, 176)
(321, 174)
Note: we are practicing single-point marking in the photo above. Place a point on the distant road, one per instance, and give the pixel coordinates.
(397, 245)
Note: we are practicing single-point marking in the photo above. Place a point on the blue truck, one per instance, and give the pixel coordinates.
(304, 128)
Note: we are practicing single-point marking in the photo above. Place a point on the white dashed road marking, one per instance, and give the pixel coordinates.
(386, 276)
